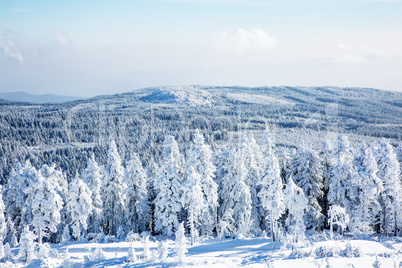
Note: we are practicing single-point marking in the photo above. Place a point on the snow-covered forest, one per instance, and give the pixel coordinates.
(202, 188)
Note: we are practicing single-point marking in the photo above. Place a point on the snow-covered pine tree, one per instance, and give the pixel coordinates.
(339, 185)
(92, 176)
(388, 172)
(338, 217)
(162, 251)
(180, 247)
(79, 206)
(131, 256)
(199, 156)
(14, 194)
(270, 181)
(3, 224)
(11, 233)
(27, 246)
(146, 254)
(112, 191)
(296, 205)
(57, 179)
(367, 191)
(193, 201)
(307, 174)
(168, 185)
(235, 208)
(325, 157)
(45, 204)
(252, 158)
(136, 194)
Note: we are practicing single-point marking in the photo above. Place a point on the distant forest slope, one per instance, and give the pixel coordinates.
(67, 133)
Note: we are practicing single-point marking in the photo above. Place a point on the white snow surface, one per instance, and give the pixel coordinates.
(257, 252)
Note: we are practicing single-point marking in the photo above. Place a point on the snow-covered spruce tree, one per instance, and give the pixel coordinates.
(338, 217)
(112, 191)
(270, 181)
(57, 178)
(14, 194)
(45, 204)
(296, 205)
(27, 246)
(235, 197)
(199, 156)
(339, 184)
(146, 254)
(252, 158)
(79, 206)
(92, 176)
(307, 174)
(3, 225)
(11, 233)
(388, 172)
(136, 194)
(180, 240)
(325, 158)
(193, 201)
(162, 251)
(368, 187)
(168, 185)
(131, 256)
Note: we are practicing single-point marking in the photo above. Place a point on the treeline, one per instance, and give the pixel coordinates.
(243, 191)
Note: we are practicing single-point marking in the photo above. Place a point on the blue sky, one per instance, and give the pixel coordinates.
(88, 47)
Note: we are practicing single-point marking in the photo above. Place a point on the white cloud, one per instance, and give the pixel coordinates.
(10, 52)
(61, 38)
(243, 41)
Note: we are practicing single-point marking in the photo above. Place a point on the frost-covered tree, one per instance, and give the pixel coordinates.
(14, 194)
(193, 201)
(270, 183)
(11, 233)
(338, 217)
(3, 225)
(236, 205)
(136, 194)
(199, 156)
(146, 254)
(388, 172)
(56, 178)
(168, 184)
(112, 191)
(339, 184)
(45, 204)
(162, 251)
(180, 240)
(252, 157)
(367, 190)
(27, 246)
(92, 176)
(131, 256)
(79, 206)
(325, 157)
(296, 205)
(307, 174)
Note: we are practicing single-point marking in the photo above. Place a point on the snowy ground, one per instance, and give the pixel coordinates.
(257, 252)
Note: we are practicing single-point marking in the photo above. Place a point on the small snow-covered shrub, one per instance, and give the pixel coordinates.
(132, 237)
(95, 237)
(131, 256)
(96, 255)
(350, 251)
(325, 251)
(299, 253)
(162, 251)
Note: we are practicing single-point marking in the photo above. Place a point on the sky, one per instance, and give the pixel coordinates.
(91, 47)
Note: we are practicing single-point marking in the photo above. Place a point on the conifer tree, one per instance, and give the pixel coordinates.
(137, 206)
(270, 182)
(162, 251)
(235, 209)
(367, 190)
(45, 204)
(3, 224)
(168, 185)
(112, 191)
(193, 201)
(307, 174)
(79, 206)
(180, 247)
(296, 205)
(388, 172)
(199, 156)
(339, 185)
(27, 246)
(92, 176)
